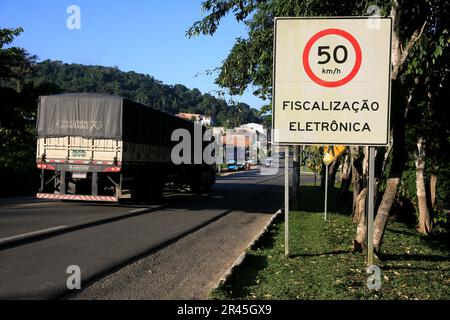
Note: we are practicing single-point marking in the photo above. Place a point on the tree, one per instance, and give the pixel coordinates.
(312, 157)
(426, 133)
(17, 115)
(9, 57)
(265, 114)
(430, 22)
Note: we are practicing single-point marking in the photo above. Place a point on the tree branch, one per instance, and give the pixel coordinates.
(411, 42)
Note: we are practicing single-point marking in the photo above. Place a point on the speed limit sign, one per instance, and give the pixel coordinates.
(332, 81)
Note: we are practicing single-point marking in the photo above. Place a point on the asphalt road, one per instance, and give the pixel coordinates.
(107, 238)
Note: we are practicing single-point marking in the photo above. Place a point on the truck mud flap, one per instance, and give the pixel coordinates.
(76, 197)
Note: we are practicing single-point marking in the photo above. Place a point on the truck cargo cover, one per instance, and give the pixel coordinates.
(84, 115)
(96, 116)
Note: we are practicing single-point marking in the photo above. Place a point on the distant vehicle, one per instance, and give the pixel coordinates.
(251, 162)
(268, 162)
(231, 166)
(240, 166)
(94, 147)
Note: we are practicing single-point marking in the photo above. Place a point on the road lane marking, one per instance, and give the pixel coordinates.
(22, 205)
(29, 234)
(139, 210)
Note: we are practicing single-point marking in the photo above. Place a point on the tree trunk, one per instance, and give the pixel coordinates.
(399, 56)
(295, 202)
(424, 225)
(346, 168)
(383, 211)
(362, 166)
(359, 244)
(397, 124)
(356, 177)
(360, 207)
(332, 171)
(398, 154)
(346, 175)
(433, 184)
(380, 163)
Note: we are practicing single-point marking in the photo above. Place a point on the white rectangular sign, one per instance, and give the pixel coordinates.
(332, 80)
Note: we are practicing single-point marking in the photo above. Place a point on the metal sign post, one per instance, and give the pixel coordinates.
(370, 210)
(286, 200)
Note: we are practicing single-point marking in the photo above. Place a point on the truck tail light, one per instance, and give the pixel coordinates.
(112, 169)
(45, 166)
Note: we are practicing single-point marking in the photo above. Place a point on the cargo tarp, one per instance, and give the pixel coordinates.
(84, 115)
(105, 117)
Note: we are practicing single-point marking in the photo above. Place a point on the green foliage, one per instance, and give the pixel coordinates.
(425, 82)
(407, 194)
(141, 88)
(312, 157)
(17, 149)
(250, 59)
(9, 56)
(17, 117)
(441, 210)
(407, 190)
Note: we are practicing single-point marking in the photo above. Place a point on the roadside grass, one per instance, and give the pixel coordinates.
(322, 266)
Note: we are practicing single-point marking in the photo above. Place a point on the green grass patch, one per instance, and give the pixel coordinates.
(321, 265)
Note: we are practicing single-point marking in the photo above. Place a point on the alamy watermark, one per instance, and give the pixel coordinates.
(73, 21)
(74, 280)
(230, 146)
(375, 13)
(374, 280)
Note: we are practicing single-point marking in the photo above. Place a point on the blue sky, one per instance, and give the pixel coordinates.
(146, 36)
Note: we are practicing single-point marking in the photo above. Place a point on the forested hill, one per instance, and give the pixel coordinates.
(142, 88)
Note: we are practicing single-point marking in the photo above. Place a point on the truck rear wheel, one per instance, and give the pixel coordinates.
(195, 187)
(155, 191)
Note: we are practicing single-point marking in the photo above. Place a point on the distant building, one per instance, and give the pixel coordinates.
(255, 126)
(218, 131)
(245, 143)
(197, 118)
(260, 145)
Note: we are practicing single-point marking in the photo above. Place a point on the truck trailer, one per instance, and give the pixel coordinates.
(94, 147)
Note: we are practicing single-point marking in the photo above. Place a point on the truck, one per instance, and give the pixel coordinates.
(94, 147)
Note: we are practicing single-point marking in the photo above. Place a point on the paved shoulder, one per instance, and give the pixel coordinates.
(189, 268)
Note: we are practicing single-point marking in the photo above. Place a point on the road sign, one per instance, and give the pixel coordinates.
(328, 158)
(331, 153)
(332, 81)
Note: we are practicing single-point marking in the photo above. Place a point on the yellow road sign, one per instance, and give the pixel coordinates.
(327, 159)
(331, 153)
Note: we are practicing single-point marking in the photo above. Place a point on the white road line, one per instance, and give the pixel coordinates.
(139, 210)
(34, 233)
(36, 204)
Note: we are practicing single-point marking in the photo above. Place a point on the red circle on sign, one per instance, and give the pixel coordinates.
(350, 76)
